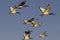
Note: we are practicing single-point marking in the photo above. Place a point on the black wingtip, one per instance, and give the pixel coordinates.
(39, 25)
(28, 31)
(9, 13)
(46, 35)
(39, 36)
(30, 38)
(48, 4)
(52, 14)
(18, 12)
(33, 18)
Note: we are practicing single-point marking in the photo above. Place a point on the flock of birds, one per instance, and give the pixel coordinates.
(35, 23)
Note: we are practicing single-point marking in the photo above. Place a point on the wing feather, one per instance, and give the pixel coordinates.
(48, 8)
(11, 8)
(42, 9)
(22, 3)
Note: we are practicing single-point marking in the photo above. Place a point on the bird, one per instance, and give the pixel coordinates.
(27, 35)
(46, 10)
(13, 10)
(28, 21)
(22, 4)
(42, 35)
(35, 23)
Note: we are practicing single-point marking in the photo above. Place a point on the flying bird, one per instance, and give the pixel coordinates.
(13, 10)
(46, 10)
(22, 4)
(27, 35)
(35, 23)
(43, 34)
(28, 21)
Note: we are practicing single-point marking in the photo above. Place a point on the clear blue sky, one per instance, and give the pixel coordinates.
(12, 27)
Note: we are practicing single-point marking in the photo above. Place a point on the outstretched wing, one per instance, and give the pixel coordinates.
(31, 20)
(22, 3)
(41, 9)
(37, 22)
(48, 8)
(44, 33)
(11, 8)
(28, 31)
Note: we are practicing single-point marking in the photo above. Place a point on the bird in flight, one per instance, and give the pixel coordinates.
(13, 10)
(46, 10)
(43, 34)
(27, 35)
(35, 23)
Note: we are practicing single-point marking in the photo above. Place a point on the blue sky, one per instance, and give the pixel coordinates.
(12, 27)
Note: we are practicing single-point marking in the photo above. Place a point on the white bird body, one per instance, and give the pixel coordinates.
(26, 36)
